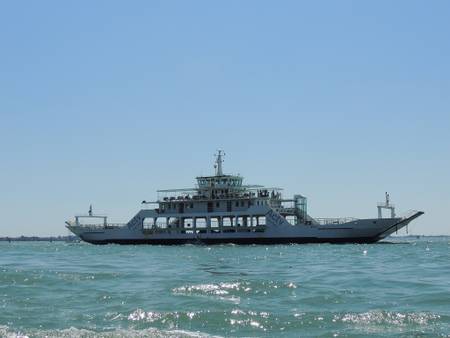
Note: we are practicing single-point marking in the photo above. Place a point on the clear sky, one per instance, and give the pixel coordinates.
(105, 102)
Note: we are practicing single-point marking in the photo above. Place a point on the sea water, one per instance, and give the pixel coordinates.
(61, 289)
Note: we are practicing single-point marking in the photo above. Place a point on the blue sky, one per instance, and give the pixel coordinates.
(104, 102)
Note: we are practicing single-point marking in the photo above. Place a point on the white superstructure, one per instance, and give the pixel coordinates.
(221, 209)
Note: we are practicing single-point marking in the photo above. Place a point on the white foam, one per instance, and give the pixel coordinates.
(383, 317)
(119, 333)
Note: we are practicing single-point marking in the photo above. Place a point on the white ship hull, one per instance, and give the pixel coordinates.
(220, 209)
(358, 231)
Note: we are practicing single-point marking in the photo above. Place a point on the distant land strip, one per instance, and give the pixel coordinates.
(40, 239)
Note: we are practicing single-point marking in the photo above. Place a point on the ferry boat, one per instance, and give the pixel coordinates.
(221, 209)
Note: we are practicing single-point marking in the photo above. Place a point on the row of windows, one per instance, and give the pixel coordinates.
(223, 181)
(202, 222)
(175, 206)
(191, 205)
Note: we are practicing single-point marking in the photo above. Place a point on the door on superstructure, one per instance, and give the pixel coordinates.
(181, 208)
(228, 206)
(210, 207)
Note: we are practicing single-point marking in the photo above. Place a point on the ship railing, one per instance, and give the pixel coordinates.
(383, 204)
(285, 210)
(199, 198)
(115, 225)
(221, 197)
(338, 220)
(100, 226)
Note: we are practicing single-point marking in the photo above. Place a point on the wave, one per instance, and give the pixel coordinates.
(73, 332)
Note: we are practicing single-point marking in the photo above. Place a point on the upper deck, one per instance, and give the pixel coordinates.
(225, 193)
(216, 193)
(218, 187)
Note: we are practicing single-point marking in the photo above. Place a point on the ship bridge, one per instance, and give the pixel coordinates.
(223, 181)
(218, 186)
(220, 180)
(227, 193)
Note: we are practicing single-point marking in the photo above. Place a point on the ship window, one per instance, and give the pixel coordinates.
(237, 203)
(214, 221)
(148, 223)
(262, 220)
(200, 222)
(161, 223)
(241, 221)
(188, 222)
(254, 221)
(192, 205)
(242, 203)
(173, 222)
(291, 220)
(227, 221)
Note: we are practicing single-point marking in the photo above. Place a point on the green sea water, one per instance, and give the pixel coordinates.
(80, 290)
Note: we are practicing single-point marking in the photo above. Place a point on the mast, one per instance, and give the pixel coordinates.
(386, 205)
(219, 161)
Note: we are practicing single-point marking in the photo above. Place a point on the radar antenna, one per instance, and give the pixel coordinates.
(90, 210)
(219, 161)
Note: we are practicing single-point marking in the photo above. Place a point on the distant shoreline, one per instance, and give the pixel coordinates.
(39, 239)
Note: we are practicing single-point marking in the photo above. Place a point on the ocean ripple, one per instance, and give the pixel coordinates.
(80, 290)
